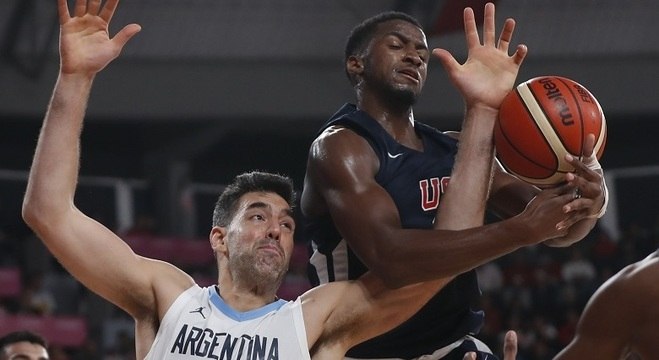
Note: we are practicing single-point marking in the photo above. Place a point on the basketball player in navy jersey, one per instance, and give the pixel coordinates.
(252, 238)
(621, 320)
(376, 176)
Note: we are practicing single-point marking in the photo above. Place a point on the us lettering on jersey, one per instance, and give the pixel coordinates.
(431, 191)
(207, 344)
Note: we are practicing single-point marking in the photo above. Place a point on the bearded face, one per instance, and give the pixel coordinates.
(262, 262)
(395, 93)
(259, 241)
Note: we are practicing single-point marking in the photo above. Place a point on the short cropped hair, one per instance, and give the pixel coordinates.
(20, 336)
(242, 184)
(362, 34)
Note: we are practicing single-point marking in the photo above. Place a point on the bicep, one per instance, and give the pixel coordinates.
(342, 172)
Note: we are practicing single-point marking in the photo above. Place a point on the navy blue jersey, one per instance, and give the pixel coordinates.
(415, 180)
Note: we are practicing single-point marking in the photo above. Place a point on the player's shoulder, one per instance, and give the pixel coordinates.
(327, 291)
(641, 272)
(334, 133)
(327, 297)
(168, 281)
(637, 280)
(338, 140)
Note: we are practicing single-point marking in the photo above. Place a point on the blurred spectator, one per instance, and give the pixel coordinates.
(23, 345)
(36, 298)
(544, 293)
(490, 277)
(578, 269)
(8, 252)
(58, 353)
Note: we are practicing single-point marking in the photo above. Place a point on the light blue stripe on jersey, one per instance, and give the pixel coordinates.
(219, 303)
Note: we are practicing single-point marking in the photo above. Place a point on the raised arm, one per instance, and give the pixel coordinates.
(87, 249)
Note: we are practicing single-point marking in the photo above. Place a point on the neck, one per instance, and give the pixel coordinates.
(397, 120)
(384, 110)
(245, 295)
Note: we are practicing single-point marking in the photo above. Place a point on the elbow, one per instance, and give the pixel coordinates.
(37, 214)
(29, 212)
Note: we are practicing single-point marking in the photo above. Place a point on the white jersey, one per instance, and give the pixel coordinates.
(200, 325)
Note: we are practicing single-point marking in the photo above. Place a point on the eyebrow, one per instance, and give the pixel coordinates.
(262, 205)
(420, 44)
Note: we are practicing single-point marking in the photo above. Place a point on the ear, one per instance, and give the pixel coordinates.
(354, 66)
(217, 239)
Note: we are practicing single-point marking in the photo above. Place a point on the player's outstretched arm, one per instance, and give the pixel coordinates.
(88, 250)
(342, 314)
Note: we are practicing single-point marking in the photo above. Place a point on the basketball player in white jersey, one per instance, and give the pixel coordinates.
(252, 238)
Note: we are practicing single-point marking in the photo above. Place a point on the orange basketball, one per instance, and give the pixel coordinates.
(542, 120)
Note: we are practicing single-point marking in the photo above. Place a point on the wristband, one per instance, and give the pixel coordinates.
(604, 205)
(592, 163)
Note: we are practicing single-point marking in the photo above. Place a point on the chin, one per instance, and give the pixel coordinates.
(401, 96)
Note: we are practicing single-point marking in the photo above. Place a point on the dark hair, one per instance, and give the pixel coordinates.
(362, 34)
(20, 336)
(250, 182)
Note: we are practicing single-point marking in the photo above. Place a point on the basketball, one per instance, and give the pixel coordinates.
(542, 120)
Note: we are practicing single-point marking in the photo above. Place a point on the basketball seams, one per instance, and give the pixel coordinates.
(579, 110)
(514, 150)
(539, 116)
(512, 143)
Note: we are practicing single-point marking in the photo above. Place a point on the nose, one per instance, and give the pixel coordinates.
(412, 56)
(273, 231)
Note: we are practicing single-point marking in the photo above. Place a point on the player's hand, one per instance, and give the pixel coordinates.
(509, 348)
(545, 217)
(588, 181)
(85, 44)
(489, 73)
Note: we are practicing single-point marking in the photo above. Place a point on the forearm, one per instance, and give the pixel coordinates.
(463, 205)
(445, 253)
(54, 171)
